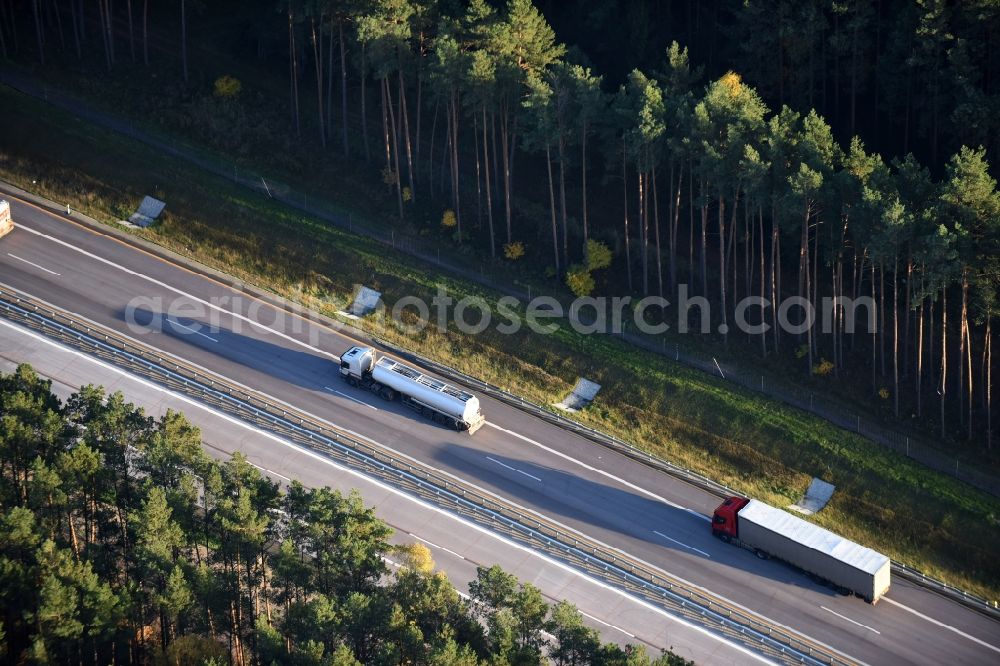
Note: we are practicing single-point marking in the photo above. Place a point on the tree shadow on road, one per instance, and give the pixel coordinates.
(671, 538)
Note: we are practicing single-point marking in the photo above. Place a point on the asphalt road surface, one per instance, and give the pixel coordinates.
(458, 546)
(645, 513)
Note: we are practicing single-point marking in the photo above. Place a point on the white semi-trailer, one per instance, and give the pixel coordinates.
(458, 409)
(771, 532)
(6, 223)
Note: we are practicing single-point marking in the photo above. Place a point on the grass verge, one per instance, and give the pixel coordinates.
(761, 447)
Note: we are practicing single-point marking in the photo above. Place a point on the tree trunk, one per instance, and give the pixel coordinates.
(967, 344)
(293, 71)
(804, 285)
(184, 52)
(644, 231)
(406, 134)
(930, 335)
(943, 387)
(814, 299)
(763, 281)
(479, 173)
(628, 252)
(881, 316)
(561, 145)
(3, 28)
(329, 79)
(583, 187)
(103, 20)
(57, 12)
(505, 146)
(895, 337)
(674, 224)
(988, 381)
(656, 232)
(131, 31)
(364, 105)
(77, 29)
(343, 84)
(416, 141)
(454, 153)
(690, 223)
(39, 35)
(920, 355)
(430, 150)
(702, 254)
(385, 125)
(907, 312)
(497, 180)
(318, 59)
(875, 386)
(961, 348)
(723, 328)
(489, 195)
(395, 148)
(552, 209)
(748, 244)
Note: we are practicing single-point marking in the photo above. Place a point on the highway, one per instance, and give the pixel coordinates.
(560, 475)
(458, 547)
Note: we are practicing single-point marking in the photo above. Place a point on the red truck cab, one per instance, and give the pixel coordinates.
(724, 523)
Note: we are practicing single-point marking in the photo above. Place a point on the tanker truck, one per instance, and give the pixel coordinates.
(389, 379)
(831, 559)
(6, 224)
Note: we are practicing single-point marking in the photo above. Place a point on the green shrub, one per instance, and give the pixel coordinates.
(227, 87)
(513, 251)
(579, 280)
(598, 255)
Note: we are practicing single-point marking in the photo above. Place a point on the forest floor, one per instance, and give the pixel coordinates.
(758, 446)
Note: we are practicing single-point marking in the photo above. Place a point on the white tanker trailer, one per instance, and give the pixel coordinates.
(458, 409)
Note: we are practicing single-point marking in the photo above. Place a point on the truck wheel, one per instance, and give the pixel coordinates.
(725, 538)
(761, 554)
(352, 381)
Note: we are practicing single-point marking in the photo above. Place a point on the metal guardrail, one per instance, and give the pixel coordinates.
(967, 599)
(584, 553)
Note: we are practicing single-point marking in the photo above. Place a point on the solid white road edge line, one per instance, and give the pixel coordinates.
(597, 619)
(434, 545)
(513, 469)
(942, 624)
(844, 617)
(351, 398)
(31, 263)
(681, 543)
(407, 496)
(174, 322)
